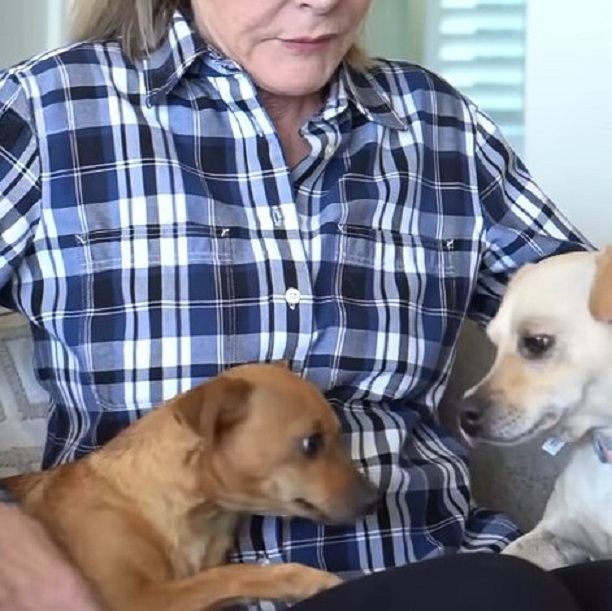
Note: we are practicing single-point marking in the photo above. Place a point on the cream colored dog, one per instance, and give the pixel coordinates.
(553, 372)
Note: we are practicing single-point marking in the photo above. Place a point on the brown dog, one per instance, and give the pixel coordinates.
(150, 517)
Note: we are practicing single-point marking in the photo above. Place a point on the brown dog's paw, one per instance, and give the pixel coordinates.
(303, 582)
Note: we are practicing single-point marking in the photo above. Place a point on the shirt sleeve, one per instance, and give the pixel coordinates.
(521, 225)
(20, 193)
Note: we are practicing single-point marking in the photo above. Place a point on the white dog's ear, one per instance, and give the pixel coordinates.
(600, 299)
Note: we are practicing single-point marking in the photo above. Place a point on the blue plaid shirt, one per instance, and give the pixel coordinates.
(153, 234)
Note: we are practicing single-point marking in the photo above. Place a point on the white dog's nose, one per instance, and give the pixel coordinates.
(471, 415)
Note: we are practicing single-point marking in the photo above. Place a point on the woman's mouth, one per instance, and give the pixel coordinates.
(307, 44)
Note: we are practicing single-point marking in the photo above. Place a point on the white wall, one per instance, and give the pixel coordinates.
(569, 109)
(28, 27)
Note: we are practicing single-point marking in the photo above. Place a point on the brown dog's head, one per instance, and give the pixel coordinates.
(270, 444)
(553, 368)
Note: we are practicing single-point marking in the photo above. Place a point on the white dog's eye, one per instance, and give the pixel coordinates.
(536, 346)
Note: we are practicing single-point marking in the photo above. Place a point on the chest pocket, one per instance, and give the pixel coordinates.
(371, 246)
(392, 256)
(150, 317)
(396, 294)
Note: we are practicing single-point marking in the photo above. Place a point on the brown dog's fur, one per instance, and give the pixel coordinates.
(150, 517)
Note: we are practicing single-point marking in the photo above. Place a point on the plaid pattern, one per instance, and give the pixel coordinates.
(153, 234)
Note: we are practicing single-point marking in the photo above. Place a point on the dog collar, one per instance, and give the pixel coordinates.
(602, 444)
(553, 445)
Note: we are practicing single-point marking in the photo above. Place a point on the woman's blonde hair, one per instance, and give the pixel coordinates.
(141, 25)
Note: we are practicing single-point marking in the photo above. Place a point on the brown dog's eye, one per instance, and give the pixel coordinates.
(536, 346)
(312, 445)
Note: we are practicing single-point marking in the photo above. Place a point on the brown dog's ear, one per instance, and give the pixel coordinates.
(214, 408)
(600, 299)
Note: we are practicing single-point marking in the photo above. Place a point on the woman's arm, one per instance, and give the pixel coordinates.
(34, 575)
(521, 225)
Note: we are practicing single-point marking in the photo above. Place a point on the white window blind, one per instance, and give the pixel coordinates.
(479, 47)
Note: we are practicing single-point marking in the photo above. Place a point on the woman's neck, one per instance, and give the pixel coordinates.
(288, 114)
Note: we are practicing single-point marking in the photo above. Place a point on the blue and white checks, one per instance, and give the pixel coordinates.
(153, 234)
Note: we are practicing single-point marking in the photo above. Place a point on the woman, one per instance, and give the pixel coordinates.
(215, 182)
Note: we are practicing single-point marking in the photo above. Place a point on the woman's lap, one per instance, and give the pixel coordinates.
(473, 582)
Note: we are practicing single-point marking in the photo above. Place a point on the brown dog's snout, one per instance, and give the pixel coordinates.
(360, 499)
(367, 497)
(472, 411)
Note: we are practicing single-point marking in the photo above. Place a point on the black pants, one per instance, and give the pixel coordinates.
(473, 582)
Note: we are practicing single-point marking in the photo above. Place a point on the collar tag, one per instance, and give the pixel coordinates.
(602, 444)
(553, 445)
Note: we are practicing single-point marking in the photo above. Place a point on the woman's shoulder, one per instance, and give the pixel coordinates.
(79, 64)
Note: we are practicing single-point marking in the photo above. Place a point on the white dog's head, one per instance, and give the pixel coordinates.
(553, 368)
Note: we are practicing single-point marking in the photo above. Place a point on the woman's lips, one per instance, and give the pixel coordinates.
(306, 44)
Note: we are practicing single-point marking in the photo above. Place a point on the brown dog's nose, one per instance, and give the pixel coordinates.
(370, 498)
(359, 499)
(471, 415)
(367, 497)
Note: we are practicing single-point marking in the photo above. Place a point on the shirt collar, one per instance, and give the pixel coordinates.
(370, 99)
(166, 66)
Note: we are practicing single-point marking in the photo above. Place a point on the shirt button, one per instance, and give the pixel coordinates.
(329, 150)
(292, 297)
